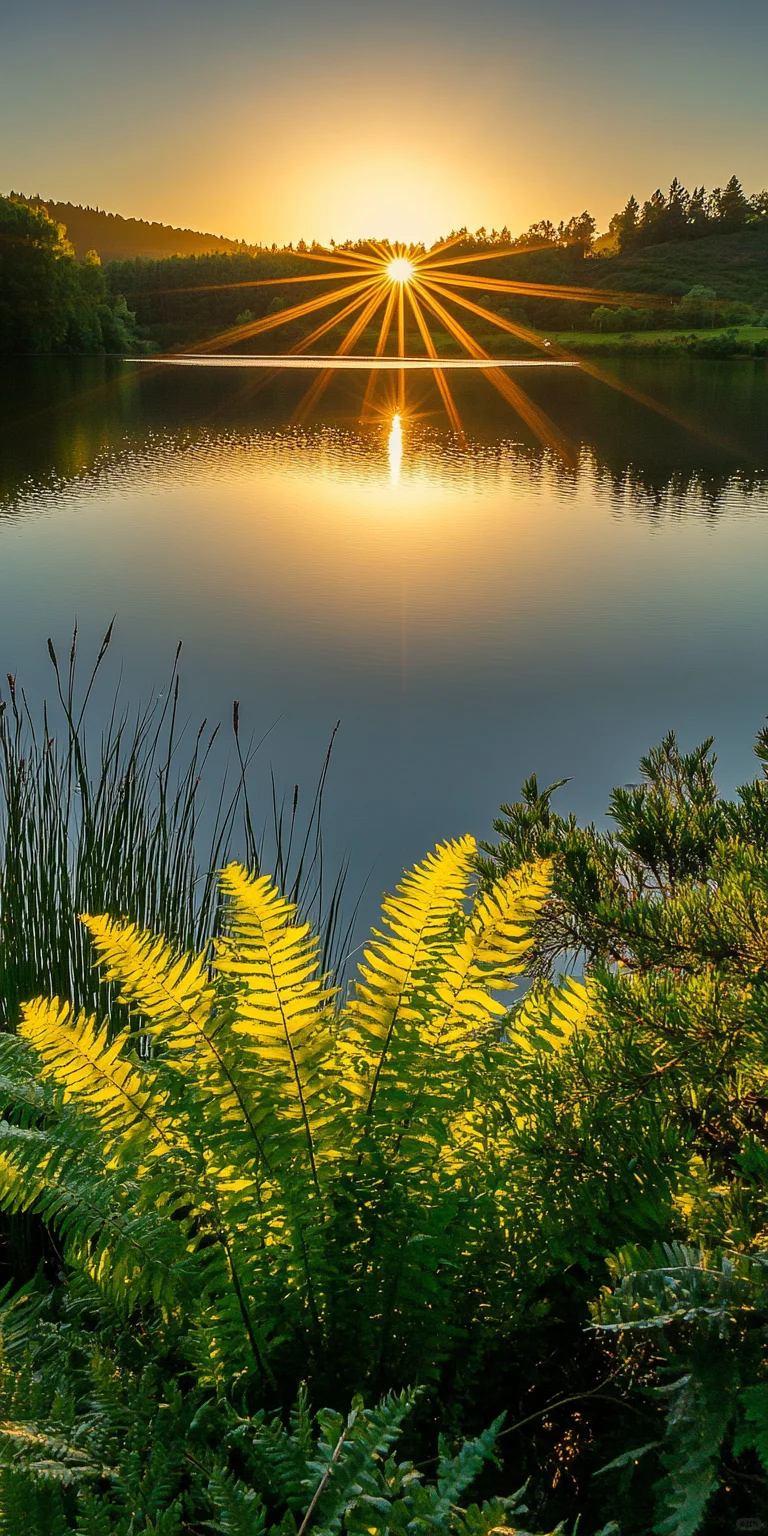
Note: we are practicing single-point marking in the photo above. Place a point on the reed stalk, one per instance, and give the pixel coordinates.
(124, 829)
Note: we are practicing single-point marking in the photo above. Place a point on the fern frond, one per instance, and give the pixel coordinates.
(45, 1455)
(280, 1004)
(178, 1004)
(239, 1509)
(123, 1246)
(455, 1474)
(700, 1411)
(77, 1054)
(490, 953)
(673, 1281)
(400, 969)
(348, 1460)
(29, 1507)
(547, 1017)
(753, 1429)
(171, 992)
(95, 1517)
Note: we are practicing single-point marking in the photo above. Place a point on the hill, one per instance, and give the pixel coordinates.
(735, 265)
(119, 239)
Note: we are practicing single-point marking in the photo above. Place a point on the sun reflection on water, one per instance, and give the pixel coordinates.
(395, 449)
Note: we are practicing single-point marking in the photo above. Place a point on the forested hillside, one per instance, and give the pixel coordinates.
(735, 265)
(702, 259)
(92, 229)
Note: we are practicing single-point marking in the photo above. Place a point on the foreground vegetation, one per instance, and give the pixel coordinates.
(460, 1188)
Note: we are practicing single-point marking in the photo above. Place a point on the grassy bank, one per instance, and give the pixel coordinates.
(732, 341)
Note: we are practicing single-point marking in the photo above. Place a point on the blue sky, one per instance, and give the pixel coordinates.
(352, 117)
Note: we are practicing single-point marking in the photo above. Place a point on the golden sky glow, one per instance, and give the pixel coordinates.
(352, 118)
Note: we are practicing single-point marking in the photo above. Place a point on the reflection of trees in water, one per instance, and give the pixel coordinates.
(648, 493)
(69, 424)
(630, 488)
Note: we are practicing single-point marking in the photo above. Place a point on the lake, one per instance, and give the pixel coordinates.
(471, 608)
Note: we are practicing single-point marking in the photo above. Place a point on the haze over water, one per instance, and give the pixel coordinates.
(471, 612)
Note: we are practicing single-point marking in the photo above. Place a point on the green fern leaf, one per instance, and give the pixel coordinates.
(239, 1509)
(753, 1432)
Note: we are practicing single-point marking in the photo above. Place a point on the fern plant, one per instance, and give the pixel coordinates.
(92, 1442)
(310, 1183)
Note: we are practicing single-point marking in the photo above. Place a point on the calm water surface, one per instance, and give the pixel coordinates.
(471, 610)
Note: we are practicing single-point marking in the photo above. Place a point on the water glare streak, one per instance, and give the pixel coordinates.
(395, 449)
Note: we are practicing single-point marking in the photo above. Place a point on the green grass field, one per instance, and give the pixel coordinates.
(660, 341)
(650, 338)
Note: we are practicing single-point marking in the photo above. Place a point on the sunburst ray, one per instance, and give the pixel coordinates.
(350, 258)
(272, 322)
(332, 322)
(546, 290)
(497, 255)
(312, 396)
(440, 379)
(252, 282)
(539, 423)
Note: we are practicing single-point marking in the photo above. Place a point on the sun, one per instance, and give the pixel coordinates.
(401, 270)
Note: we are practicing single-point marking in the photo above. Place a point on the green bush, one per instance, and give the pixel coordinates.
(668, 913)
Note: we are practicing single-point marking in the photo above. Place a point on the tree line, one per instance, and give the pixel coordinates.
(684, 215)
(678, 215)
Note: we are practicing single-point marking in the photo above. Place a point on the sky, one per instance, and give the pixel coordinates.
(275, 120)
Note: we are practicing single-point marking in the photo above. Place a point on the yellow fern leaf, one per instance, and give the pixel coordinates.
(80, 1058)
(176, 1000)
(490, 953)
(170, 991)
(17, 1192)
(548, 1015)
(402, 967)
(280, 1005)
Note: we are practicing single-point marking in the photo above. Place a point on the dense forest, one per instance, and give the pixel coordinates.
(115, 238)
(719, 282)
(692, 282)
